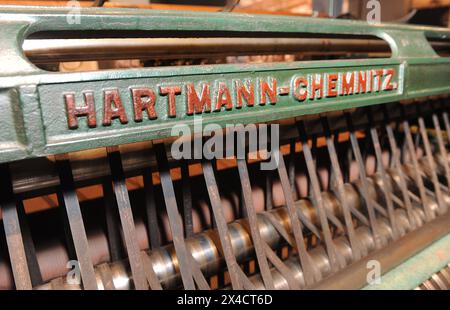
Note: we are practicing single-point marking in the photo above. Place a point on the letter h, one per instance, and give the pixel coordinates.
(74, 111)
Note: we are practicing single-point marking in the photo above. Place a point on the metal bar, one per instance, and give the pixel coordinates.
(251, 216)
(150, 274)
(30, 250)
(112, 221)
(197, 274)
(431, 163)
(311, 274)
(126, 218)
(225, 241)
(56, 50)
(398, 169)
(66, 227)
(13, 233)
(150, 211)
(336, 261)
(418, 178)
(447, 125)
(442, 148)
(282, 268)
(280, 229)
(362, 173)
(387, 186)
(187, 200)
(241, 208)
(106, 277)
(176, 226)
(76, 223)
(268, 191)
(291, 168)
(340, 192)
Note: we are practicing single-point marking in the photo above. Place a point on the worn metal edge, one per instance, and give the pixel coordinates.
(416, 269)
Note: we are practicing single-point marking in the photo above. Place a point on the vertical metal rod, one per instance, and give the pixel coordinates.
(112, 221)
(362, 174)
(30, 251)
(442, 148)
(396, 165)
(13, 233)
(268, 192)
(76, 224)
(126, 218)
(253, 223)
(66, 227)
(222, 228)
(242, 209)
(268, 180)
(340, 191)
(187, 200)
(431, 164)
(174, 217)
(150, 210)
(387, 186)
(447, 125)
(429, 215)
(310, 272)
(336, 261)
(291, 169)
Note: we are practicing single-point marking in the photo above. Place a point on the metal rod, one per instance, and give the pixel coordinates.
(13, 234)
(76, 224)
(176, 226)
(126, 218)
(56, 50)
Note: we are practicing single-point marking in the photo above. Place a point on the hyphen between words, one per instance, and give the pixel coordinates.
(204, 97)
(219, 96)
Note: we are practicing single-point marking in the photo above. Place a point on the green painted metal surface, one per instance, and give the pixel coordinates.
(416, 269)
(34, 112)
